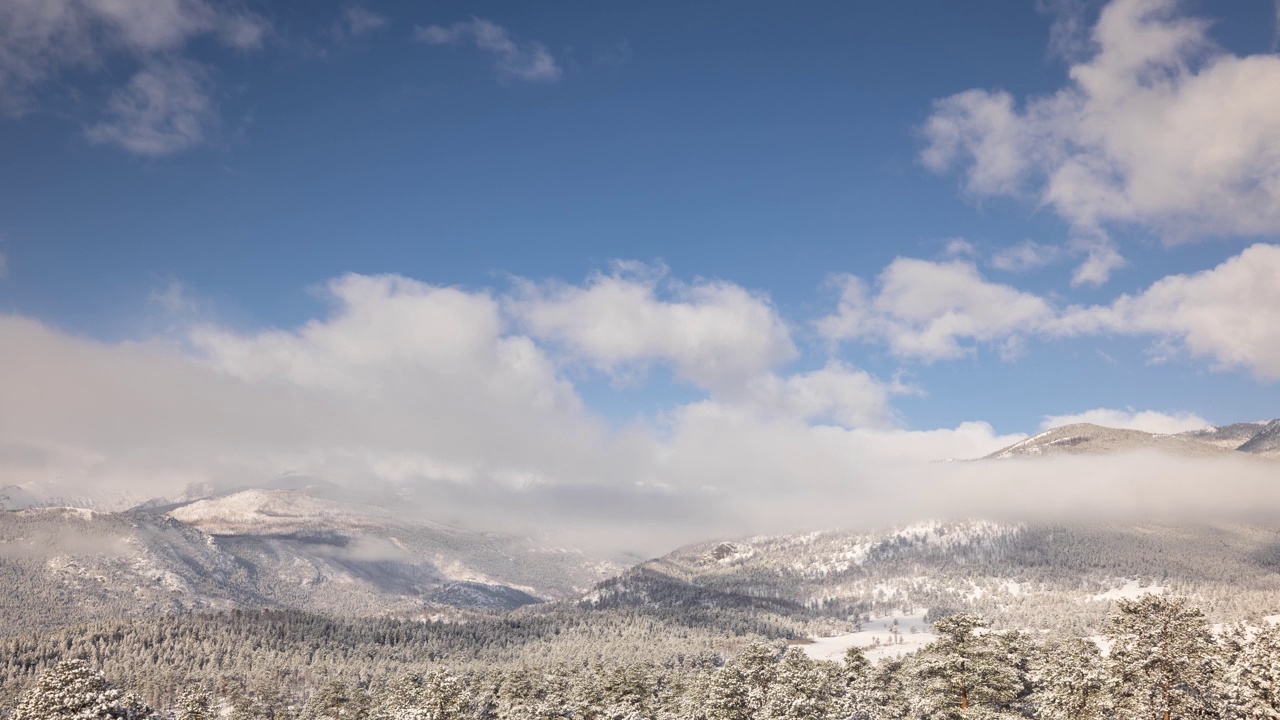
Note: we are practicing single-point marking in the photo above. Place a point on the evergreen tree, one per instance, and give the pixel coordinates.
(801, 689)
(194, 704)
(1162, 661)
(337, 701)
(740, 691)
(1070, 681)
(73, 690)
(1253, 679)
(963, 670)
(437, 695)
(860, 697)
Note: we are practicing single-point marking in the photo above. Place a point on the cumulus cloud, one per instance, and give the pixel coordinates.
(1158, 128)
(930, 311)
(1225, 314)
(1145, 420)
(165, 106)
(530, 60)
(714, 334)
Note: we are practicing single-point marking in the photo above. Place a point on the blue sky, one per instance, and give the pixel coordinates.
(213, 168)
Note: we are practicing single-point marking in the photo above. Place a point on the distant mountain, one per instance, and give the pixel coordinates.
(270, 548)
(1266, 442)
(1227, 436)
(1017, 575)
(1089, 439)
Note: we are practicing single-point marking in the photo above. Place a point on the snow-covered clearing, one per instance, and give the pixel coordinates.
(1131, 590)
(878, 628)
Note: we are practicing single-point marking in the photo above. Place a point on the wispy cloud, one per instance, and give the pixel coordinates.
(1025, 256)
(358, 21)
(164, 107)
(529, 60)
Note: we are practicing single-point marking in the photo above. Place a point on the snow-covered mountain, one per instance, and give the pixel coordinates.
(1227, 436)
(273, 548)
(1089, 439)
(1017, 575)
(1266, 442)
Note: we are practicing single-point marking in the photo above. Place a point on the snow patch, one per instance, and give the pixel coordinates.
(878, 638)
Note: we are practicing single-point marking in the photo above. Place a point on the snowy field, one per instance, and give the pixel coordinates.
(878, 628)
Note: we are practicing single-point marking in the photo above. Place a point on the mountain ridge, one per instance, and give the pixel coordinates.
(1259, 439)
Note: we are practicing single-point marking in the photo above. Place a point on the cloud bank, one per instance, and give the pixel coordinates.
(463, 397)
(464, 403)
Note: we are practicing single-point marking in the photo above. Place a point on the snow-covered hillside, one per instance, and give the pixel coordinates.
(269, 548)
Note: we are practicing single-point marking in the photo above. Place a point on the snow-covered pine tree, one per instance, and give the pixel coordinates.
(436, 695)
(194, 704)
(801, 689)
(859, 696)
(1162, 661)
(337, 701)
(963, 671)
(533, 694)
(1069, 681)
(1253, 679)
(73, 690)
(740, 690)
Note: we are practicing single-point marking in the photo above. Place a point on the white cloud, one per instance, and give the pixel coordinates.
(530, 61)
(1145, 420)
(1158, 128)
(931, 310)
(164, 109)
(1101, 259)
(715, 334)
(408, 385)
(42, 39)
(959, 248)
(835, 394)
(1025, 256)
(1226, 314)
(448, 394)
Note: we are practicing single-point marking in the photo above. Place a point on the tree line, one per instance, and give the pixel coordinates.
(1157, 659)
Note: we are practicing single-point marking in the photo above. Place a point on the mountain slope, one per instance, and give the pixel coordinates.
(1016, 575)
(269, 549)
(1227, 436)
(1265, 443)
(1089, 439)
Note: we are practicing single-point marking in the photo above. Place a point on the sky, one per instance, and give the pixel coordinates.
(586, 248)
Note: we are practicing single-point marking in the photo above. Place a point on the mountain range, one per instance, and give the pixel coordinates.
(1257, 438)
(302, 544)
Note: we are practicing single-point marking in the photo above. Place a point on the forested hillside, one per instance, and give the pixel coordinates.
(1162, 660)
(1022, 576)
